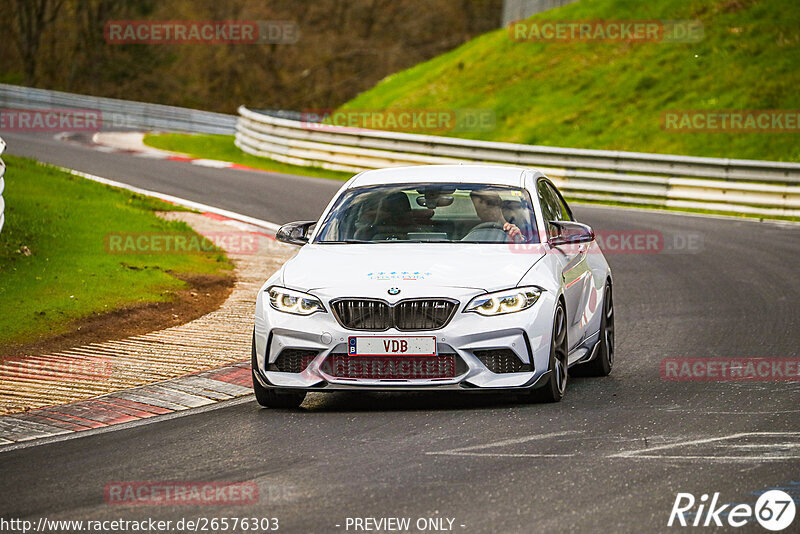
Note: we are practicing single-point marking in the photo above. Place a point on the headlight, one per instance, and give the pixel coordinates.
(502, 302)
(295, 302)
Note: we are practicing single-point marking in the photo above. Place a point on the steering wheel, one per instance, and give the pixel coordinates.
(497, 226)
(487, 226)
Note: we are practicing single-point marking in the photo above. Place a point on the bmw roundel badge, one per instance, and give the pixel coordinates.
(394, 291)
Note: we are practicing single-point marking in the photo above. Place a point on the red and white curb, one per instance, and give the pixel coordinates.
(196, 390)
(131, 143)
(161, 398)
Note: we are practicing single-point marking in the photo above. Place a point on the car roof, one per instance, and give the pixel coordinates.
(472, 174)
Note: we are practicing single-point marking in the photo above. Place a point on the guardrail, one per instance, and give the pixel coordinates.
(742, 186)
(120, 114)
(522, 9)
(2, 185)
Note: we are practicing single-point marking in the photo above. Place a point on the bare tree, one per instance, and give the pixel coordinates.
(32, 17)
(345, 47)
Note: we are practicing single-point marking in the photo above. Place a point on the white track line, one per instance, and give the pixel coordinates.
(468, 451)
(270, 226)
(644, 453)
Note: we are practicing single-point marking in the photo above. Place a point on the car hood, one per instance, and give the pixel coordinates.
(411, 266)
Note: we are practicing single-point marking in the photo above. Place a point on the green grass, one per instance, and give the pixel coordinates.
(221, 147)
(611, 95)
(63, 221)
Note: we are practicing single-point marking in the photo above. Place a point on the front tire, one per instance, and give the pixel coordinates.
(553, 390)
(604, 361)
(270, 397)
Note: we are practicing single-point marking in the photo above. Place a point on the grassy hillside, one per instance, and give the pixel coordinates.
(611, 95)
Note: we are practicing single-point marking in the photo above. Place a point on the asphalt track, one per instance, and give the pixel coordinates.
(610, 458)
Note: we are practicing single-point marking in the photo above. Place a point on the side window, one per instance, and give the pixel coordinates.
(564, 213)
(544, 200)
(551, 211)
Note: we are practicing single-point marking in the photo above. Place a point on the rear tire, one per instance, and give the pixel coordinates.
(604, 361)
(553, 390)
(271, 397)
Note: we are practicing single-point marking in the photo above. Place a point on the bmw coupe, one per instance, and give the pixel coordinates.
(461, 277)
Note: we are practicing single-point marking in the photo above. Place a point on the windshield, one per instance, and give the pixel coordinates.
(440, 212)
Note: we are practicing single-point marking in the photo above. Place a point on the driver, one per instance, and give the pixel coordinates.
(488, 205)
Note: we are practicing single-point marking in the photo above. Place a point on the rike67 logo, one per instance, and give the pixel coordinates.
(774, 510)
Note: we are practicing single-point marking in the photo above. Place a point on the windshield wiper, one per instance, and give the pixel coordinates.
(345, 242)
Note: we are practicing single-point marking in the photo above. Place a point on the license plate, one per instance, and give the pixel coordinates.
(392, 346)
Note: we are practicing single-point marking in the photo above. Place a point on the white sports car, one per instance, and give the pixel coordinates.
(461, 277)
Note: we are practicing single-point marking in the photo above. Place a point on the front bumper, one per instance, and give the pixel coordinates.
(526, 333)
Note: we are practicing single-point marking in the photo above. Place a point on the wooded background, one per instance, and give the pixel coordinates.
(345, 47)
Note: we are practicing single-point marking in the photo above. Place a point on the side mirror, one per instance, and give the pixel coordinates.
(295, 233)
(571, 233)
